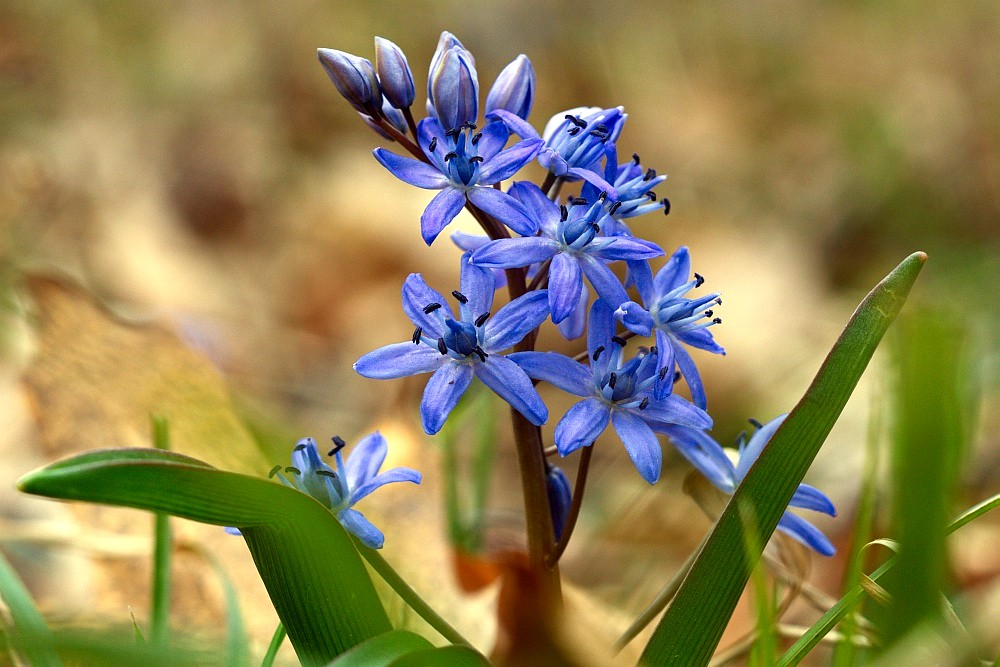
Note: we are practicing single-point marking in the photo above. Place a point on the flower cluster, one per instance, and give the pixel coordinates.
(551, 248)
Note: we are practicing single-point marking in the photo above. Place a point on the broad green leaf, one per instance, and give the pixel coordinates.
(448, 656)
(691, 628)
(30, 635)
(383, 650)
(313, 574)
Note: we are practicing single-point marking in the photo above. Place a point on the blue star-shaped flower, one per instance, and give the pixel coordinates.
(634, 187)
(675, 318)
(711, 460)
(456, 348)
(615, 391)
(352, 480)
(464, 164)
(570, 239)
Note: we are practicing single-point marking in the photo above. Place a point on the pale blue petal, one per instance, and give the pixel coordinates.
(469, 242)
(417, 294)
(622, 248)
(573, 326)
(665, 347)
(565, 281)
(635, 318)
(558, 370)
(701, 339)
(504, 208)
(357, 524)
(514, 321)
(517, 125)
(515, 253)
(594, 179)
(441, 394)
(233, 531)
(428, 130)
(387, 477)
(509, 162)
(560, 497)
(478, 286)
(705, 454)
(689, 370)
(443, 208)
(364, 460)
(799, 529)
(511, 384)
(539, 206)
(810, 498)
(581, 425)
(602, 326)
(641, 443)
(642, 275)
(494, 138)
(756, 445)
(398, 360)
(674, 273)
(675, 410)
(604, 281)
(411, 171)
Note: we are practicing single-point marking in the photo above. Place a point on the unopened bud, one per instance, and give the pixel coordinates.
(354, 78)
(394, 74)
(454, 89)
(514, 89)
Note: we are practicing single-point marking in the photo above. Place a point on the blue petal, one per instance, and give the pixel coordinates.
(441, 394)
(665, 346)
(642, 275)
(478, 286)
(356, 523)
(594, 179)
(539, 206)
(511, 384)
(515, 320)
(640, 442)
(558, 370)
(602, 326)
(604, 281)
(517, 125)
(233, 531)
(565, 281)
(799, 529)
(581, 425)
(810, 498)
(504, 208)
(623, 247)
(509, 162)
(398, 360)
(675, 410)
(388, 477)
(364, 460)
(635, 318)
(705, 454)
(701, 339)
(442, 210)
(494, 138)
(674, 273)
(469, 242)
(411, 171)
(515, 253)
(690, 372)
(416, 295)
(429, 131)
(756, 445)
(573, 326)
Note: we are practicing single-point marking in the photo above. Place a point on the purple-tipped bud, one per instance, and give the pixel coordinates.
(454, 89)
(354, 78)
(445, 43)
(394, 74)
(560, 498)
(514, 89)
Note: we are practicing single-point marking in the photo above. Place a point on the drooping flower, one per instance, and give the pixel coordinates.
(339, 489)
(464, 164)
(570, 240)
(457, 348)
(708, 456)
(614, 390)
(674, 317)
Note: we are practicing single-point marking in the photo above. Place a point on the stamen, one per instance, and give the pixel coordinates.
(756, 424)
(666, 206)
(677, 376)
(719, 301)
(476, 137)
(644, 404)
(453, 133)
(450, 155)
(480, 353)
(563, 213)
(299, 448)
(431, 307)
(481, 320)
(614, 207)
(434, 144)
(699, 280)
(651, 195)
(469, 125)
(618, 340)
(417, 335)
(709, 313)
(600, 134)
(601, 197)
(650, 174)
(613, 380)
(338, 444)
(442, 348)
(664, 371)
(740, 439)
(579, 122)
(462, 299)
(274, 471)
(635, 157)
(654, 350)
(597, 352)
(717, 320)
(327, 473)
(573, 131)
(601, 127)
(293, 470)
(578, 201)
(595, 227)
(477, 158)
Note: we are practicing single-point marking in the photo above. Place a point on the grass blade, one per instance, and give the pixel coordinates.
(159, 616)
(30, 635)
(691, 628)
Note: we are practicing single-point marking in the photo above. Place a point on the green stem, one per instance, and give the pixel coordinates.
(409, 596)
(162, 545)
(277, 639)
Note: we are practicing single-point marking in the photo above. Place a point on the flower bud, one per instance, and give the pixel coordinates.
(354, 78)
(394, 74)
(454, 89)
(445, 43)
(514, 89)
(560, 498)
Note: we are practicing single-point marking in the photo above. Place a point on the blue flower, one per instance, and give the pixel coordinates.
(338, 490)
(354, 79)
(458, 348)
(463, 164)
(616, 391)
(711, 460)
(571, 242)
(634, 186)
(675, 318)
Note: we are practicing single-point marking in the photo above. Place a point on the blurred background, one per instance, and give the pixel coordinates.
(225, 247)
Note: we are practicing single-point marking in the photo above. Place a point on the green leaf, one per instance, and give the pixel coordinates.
(383, 650)
(159, 616)
(30, 635)
(691, 628)
(316, 580)
(448, 656)
(277, 639)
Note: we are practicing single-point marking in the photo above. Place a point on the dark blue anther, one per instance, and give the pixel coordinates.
(597, 352)
(460, 297)
(431, 307)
